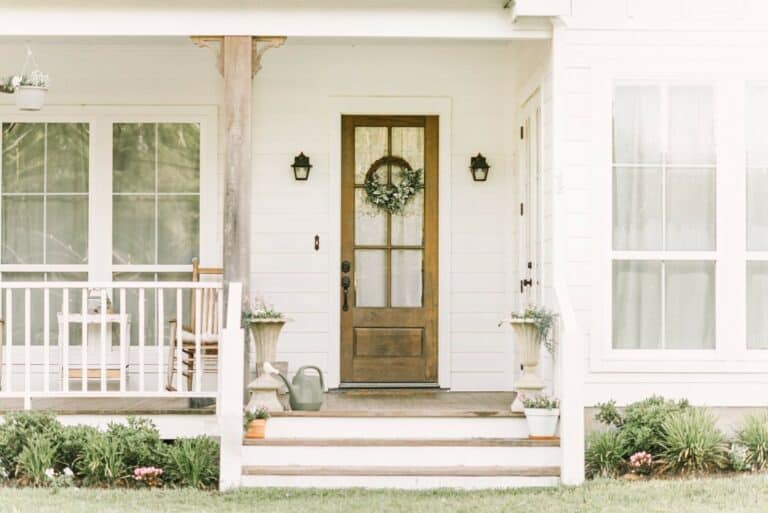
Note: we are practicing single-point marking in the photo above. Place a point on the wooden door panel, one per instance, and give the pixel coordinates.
(389, 331)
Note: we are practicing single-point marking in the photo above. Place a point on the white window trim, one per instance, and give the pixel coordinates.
(730, 353)
(101, 119)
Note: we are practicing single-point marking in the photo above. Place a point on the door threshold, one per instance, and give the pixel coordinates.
(347, 386)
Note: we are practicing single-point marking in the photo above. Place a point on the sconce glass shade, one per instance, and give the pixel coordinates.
(479, 167)
(301, 167)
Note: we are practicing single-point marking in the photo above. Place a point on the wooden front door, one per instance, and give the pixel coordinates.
(389, 260)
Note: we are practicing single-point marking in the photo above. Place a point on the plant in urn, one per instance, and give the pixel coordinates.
(265, 323)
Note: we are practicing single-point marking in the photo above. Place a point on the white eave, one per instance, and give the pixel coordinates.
(454, 19)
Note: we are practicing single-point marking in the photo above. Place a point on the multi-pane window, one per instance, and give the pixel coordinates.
(45, 193)
(156, 191)
(664, 164)
(756, 137)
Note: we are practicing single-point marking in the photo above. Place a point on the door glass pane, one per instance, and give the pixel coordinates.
(636, 305)
(691, 133)
(370, 222)
(757, 209)
(407, 278)
(370, 278)
(23, 157)
(637, 125)
(408, 227)
(67, 230)
(371, 143)
(178, 157)
(133, 155)
(133, 230)
(23, 230)
(690, 305)
(757, 305)
(690, 209)
(408, 143)
(637, 208)
(178, 229)
(67, 157)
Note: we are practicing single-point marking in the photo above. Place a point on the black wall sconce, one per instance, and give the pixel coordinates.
(301, 167)
(479, 167)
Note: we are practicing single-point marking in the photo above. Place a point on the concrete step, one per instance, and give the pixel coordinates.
(383, 453)
(402, 477)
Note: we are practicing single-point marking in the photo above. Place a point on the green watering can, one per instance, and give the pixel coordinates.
(306, 390)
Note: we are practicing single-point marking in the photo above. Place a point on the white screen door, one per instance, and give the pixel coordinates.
(530, 218)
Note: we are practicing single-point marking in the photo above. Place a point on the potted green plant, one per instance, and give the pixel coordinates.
(541, 414)
(30, 89)
(255, 422)
(265, 323)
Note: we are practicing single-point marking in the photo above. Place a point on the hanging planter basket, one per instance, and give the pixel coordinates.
(30, 97)
(30, 87)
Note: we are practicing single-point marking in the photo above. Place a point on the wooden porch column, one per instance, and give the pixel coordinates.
(237, 68)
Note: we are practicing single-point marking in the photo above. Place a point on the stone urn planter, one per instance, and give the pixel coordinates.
(265, 333)
(528, 352)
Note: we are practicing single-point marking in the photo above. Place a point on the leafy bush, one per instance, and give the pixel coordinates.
(692, 443)
(140, 442)
(18, 429)
(193, 462)
(102, 462)
(641, 422)
(72, 443)
(753, 436)
(737, 458)
(35, 462)
(604, 456)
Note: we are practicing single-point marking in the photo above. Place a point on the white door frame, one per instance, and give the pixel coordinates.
(529, 186)
(390, 105)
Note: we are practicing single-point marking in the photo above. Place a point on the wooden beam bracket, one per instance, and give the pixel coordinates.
(261, 44)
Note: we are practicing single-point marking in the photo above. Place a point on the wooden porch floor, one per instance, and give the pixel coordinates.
(338, 403)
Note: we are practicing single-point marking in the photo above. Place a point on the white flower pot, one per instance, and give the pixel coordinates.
(542, 423)
(30, 97)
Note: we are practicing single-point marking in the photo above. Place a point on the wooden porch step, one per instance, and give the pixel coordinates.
(387, 471)
(402, 413)
(409, 442)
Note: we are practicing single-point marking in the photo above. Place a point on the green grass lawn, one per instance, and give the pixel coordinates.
(723, 495)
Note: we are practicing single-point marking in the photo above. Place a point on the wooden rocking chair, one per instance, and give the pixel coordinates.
(209, 329)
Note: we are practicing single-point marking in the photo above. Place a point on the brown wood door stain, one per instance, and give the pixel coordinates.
(389, 331)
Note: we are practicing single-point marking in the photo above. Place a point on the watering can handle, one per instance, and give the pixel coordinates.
(319, 372)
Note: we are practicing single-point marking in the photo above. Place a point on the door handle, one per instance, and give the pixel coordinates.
(345, 283)
(525, 283)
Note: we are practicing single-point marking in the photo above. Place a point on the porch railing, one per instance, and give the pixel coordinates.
(112, 339)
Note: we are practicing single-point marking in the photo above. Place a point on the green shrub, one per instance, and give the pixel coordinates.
(102, 462)
(193, 462)
(18, 428)
(71, 446)
(753, 436)
(604, 456)
(140, 442)
(692, 443)
(641, 422)
(36, 460)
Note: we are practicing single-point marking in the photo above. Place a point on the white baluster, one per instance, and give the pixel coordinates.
(84, 343)
(46, 339)
(123, 339)
(8, 339)
(179, 340)
(64, 339)
(103, 337)
(160, 337)
(198, 345)
(141, 305)
(27, 349)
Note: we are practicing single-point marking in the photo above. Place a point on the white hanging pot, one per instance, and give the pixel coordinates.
(30, 97)
(542, 423)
